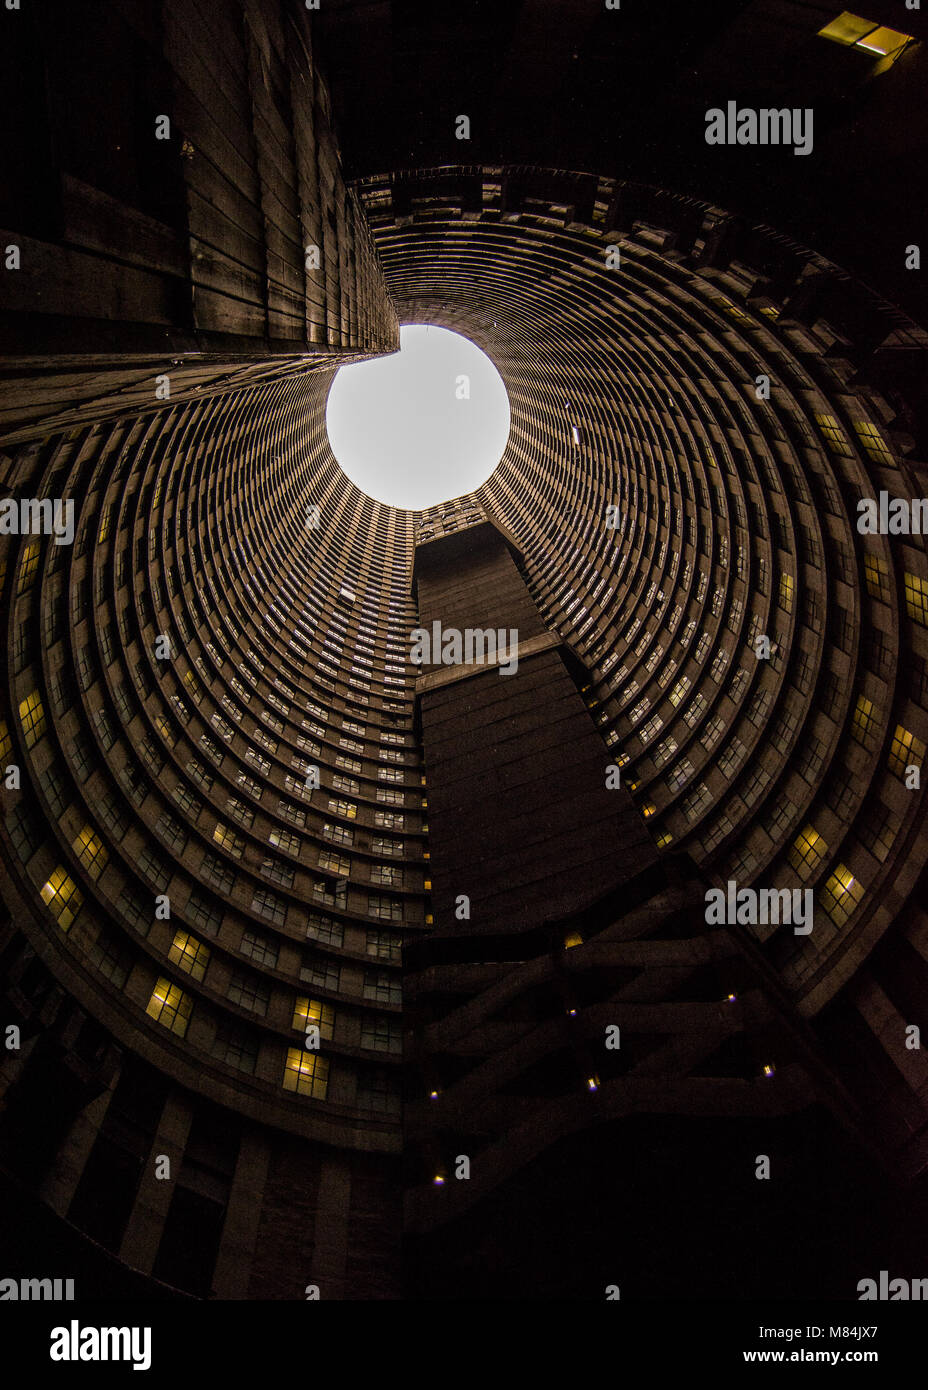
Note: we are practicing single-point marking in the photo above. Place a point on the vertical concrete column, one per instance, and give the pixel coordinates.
(143, 1232)
(61, 1181)
(330, 1255)
(243, 1216)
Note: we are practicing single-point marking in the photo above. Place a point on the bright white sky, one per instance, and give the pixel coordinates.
(400, 429)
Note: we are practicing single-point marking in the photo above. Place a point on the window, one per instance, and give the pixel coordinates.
(319, 928)
(200, 775)
(239, 811)
(916, 598)
(338, 834)
(378, 1093)
(172, 832)
(876, 40)
(190, 954)
(388, 875)
(841, 895)
(871, 438)
(384, 945)
(787, 589)
(719, 665)
(61, 897)
(696, 801)
(311, 1011)
(664, 750)
(863, 722)
(680, 775)
(267, 904)
(253, 756)
(732, 757)
(712, 732)
(695, 711)
(382, 986)
(876, 577)
(389, 909)
(218, 874)
(877, 830)
(321, 974)
(249, 785)
(170, 1006)
(381, 1035)
(232, 843)
(807, 852)
(236, 1049)
(283, 839)
(679, 690)
(905, 751)
(90, 851)
(112, 962)
(203, 915)
(833, 434)
(32, 718)
(249, 992)
(306, 1073)
(259, 949)
(187, 802)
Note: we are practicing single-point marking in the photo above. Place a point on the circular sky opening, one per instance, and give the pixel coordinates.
(426, 424)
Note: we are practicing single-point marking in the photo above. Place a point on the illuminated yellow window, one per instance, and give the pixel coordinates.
(62, 898)
(306, 1073)
(193, 686)
(733, 312)
(833, 434)
(90, 850)
(771, 311)
(32, 718)
(229, 840)
(852, 31)
(307, 1011)
(916, 598)
(190, 954)
(863, 721)
(872, 441)
(841, 895)
(808, 851)
(6, 743)
(29, 565)
(573, 939)
(786, 592)
(164, 729)
(905, 751)
(664, 840)
(104, 525)
(649, 809)
(170, 1006)
(876, 576)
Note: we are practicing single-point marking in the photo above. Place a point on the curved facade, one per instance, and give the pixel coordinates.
(220, 758)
